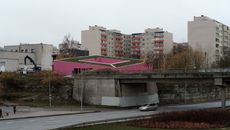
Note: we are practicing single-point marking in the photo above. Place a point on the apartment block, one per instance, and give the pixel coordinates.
(100, 41)
(154, 40)
(209, 36)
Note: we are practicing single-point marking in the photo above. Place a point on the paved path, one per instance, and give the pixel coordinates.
(44, 123)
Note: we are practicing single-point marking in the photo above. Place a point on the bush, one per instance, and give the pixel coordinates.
(11, 81)
(56, 80)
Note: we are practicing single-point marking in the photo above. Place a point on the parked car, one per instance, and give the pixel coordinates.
(149, 107)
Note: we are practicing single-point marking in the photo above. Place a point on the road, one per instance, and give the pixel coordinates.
(44, 123)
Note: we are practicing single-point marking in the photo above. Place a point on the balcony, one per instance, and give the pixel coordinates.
(119, 43)
(158, 41)
(158, 45)
(136, 55)
(134, 47)
(103, 49)
(136, 37)
(118, 38)
(118, 50)
(136, 51)
(158, 36)
(118, 46)
(120, 55)
(158, 49)
(103, 34)
(103, 45)
(136, 42)
(103, 40)
(104, 53)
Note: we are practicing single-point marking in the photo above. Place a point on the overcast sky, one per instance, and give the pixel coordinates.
(47, 21)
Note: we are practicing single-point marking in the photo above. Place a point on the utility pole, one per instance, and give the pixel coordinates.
(50, 96)
(82, 91)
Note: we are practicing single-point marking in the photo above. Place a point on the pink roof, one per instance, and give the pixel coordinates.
(104, 60)
(67, 67)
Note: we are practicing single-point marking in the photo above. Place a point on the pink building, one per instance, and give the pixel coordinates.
(67, 66)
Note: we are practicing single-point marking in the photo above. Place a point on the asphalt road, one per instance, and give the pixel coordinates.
(44, 123)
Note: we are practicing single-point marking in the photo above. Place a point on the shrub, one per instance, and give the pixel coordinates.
(11, 81)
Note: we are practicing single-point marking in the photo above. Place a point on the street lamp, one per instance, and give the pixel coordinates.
(50, 96)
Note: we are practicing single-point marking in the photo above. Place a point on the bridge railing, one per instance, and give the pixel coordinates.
(157, 71)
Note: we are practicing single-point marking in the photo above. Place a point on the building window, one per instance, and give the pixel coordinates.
(217, 45)
(22, 50)
(26, 50)
(16, 50)
(32, 51)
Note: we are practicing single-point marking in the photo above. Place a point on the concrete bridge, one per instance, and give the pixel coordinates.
(164, 87)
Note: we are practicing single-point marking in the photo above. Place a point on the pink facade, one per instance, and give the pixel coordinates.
(140, 67)
(67, 67)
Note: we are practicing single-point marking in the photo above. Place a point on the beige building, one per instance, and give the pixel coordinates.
(209, 36)
(40, 53)
(13, 61)
(100, 41)
(153, 40)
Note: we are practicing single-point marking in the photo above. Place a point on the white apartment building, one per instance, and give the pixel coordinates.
(209, 36)
(100, 41)
(157, 41)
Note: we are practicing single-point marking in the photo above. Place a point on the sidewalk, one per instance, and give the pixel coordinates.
(33, 112)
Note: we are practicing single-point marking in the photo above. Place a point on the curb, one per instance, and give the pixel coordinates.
(49, 115)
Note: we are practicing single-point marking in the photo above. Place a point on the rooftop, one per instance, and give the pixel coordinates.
(104, 60)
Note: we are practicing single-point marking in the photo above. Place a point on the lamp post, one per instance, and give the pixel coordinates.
(82, 90)
(50, 96)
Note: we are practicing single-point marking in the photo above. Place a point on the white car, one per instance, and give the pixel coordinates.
(149, 107)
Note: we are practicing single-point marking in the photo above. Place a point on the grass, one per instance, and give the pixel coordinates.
(116, 126)
(124, 126)
(45, 103)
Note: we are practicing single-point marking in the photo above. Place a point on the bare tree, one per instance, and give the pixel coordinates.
(224, 62)
(153, 61)
(187, 59)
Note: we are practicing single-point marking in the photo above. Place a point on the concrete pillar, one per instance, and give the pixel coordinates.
(223, 96)
(117, 88)
(185, 91)
(220, 83)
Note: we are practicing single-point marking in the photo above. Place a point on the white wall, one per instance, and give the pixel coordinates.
(42, 53)
(91, 40)
(10, 65)
(168, 42)
(201, 36)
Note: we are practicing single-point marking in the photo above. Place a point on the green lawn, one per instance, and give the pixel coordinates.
(124, 126)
